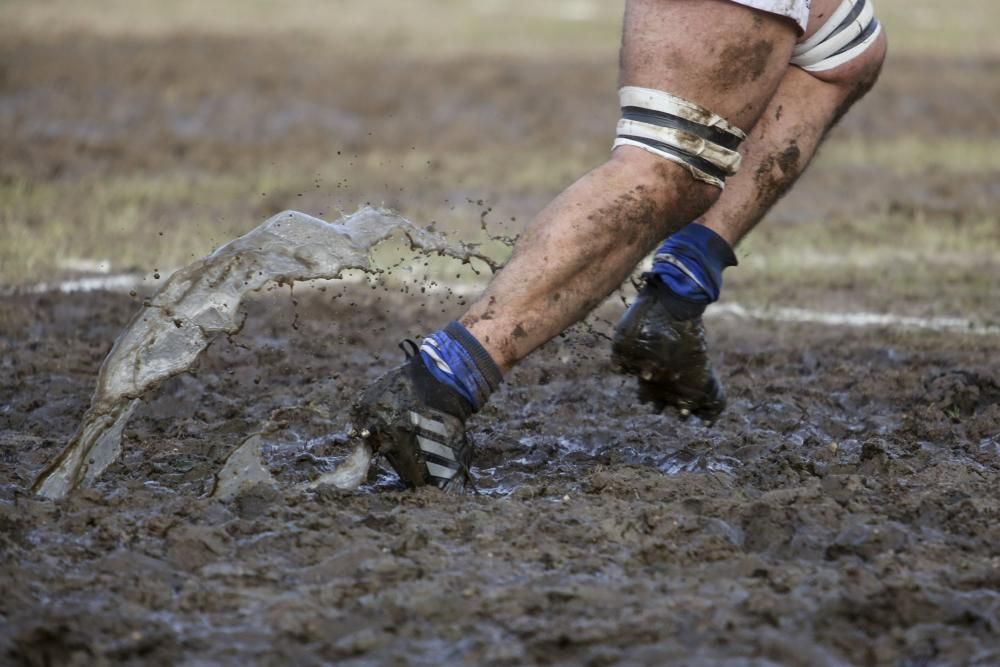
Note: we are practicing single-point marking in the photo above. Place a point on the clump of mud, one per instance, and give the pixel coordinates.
(203, 300)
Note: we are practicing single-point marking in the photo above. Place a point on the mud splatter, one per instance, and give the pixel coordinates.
(777, 172)
(741, 64)
(203, 300)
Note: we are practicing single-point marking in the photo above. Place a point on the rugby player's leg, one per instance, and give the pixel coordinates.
(778, 149)
(726, 58)
(705, 62)
(661, 339)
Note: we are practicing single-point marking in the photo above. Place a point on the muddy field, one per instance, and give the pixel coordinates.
(843, 511)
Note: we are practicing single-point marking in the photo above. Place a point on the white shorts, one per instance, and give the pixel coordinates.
(797, 10)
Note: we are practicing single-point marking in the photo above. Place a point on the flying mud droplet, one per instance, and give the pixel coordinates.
(202, 300)
(351, 473)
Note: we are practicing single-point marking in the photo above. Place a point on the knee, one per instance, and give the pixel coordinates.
(665, 186)
(855, 78)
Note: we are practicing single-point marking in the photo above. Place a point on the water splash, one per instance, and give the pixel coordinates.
(243, 468)
(202, 301)
(351, 472)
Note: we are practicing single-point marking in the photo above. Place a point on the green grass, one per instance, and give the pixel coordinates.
(931, 27)
(871, 243)
(143, 222)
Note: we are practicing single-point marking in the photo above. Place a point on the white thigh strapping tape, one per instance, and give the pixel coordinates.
(680, 131)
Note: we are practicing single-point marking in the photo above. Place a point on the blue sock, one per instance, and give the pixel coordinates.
(455, 357)
(691, 261)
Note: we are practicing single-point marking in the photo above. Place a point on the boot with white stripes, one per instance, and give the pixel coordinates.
(418, 423)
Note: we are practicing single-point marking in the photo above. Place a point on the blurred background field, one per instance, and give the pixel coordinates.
(138, 135)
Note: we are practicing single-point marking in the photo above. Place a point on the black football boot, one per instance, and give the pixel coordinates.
(418, 424)
(661, 340)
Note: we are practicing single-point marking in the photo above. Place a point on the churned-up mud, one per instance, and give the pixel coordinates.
(842, 511)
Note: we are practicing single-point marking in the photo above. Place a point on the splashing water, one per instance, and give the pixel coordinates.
(243, 468)
(203, 300)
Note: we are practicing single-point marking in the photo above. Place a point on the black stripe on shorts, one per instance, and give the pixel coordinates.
(855, 13)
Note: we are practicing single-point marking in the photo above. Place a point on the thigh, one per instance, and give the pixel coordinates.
(795, 10)
(725, 56)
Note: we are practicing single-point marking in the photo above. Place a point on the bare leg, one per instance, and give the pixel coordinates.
(660, 339)
(787, 135)
(723, 56)
(588, 239)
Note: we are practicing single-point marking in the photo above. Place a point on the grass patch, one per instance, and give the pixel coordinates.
(445, 27)
(930, 27)
(935, 266)
(910, 155)
(453, 27)
(156, 221)
(139, 223)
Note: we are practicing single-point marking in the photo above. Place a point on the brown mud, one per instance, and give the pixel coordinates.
(842, 511)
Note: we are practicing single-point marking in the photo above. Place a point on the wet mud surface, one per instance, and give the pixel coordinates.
(844, 510)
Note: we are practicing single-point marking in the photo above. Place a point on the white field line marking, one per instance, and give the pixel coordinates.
(85, 265)
(123, 282)
(118, 282)
(128, 281)
(857, 320)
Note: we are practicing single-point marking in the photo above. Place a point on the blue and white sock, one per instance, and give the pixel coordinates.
(455, 357)
(690, 264)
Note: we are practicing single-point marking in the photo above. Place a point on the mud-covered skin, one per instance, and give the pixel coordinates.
(382, 415)
(667, 351)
